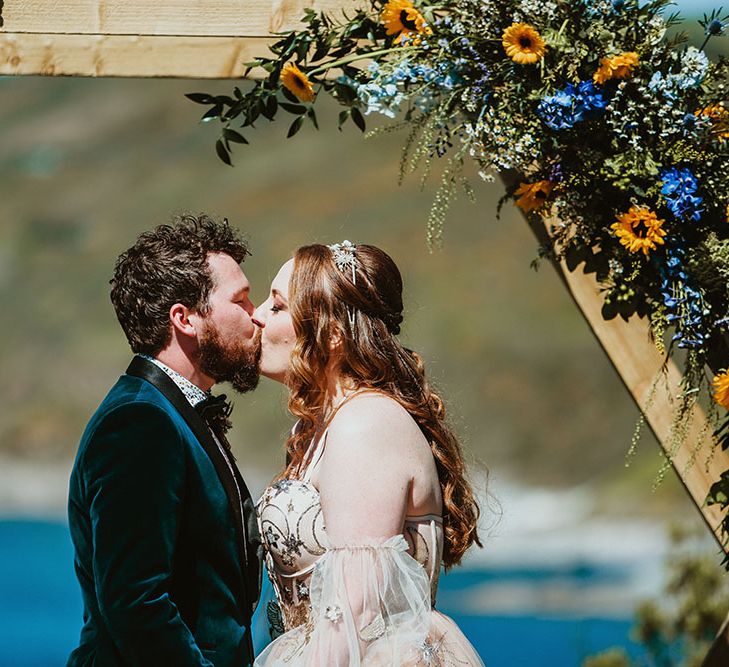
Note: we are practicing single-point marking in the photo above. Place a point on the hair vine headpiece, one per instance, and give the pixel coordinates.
(344, 258)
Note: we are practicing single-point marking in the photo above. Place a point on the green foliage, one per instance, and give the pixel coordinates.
(678, 629)
(614, 657)
(709, 262)
(326, 43)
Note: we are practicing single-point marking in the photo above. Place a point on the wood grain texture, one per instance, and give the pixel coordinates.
(639, 364)
(221, 18)
(127, 56)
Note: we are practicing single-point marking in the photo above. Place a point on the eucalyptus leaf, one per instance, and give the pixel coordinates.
(343, 116)
(358, 118)
(296, 109)
(212, 113)
(289, 95)
(232, 135)
(200, 98)
(321, 52)
(270, 107)
(295, 127)
(222, 153)
(302, 49)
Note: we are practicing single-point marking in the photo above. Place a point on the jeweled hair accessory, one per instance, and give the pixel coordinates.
(344, 257)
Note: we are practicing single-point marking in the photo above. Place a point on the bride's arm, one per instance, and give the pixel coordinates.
(369, 597)
(370, 600)
(365, 473)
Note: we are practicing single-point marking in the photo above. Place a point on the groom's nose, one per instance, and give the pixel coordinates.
(257, 319)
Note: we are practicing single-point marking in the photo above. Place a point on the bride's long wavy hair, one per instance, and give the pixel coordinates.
(323, 300)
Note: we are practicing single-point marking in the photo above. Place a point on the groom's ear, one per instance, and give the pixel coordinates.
(183, 320)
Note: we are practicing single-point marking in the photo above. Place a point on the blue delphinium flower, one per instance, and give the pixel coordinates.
(379, 95)
(384, 99)
(557, 110)
(572, 105)
(590, 101)
(386, 90)
(679, 190)
(685, 306)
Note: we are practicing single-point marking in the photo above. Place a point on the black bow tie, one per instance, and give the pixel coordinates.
(215, 411)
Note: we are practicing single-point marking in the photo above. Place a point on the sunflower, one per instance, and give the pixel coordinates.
(639, 229)
(293, 79)
(721, 389)
(523, 44)
(719, 119)
(616, 67)
(402, 19)
(533, 195)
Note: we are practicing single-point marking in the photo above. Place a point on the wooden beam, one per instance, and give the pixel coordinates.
(200, 18)
(718, 655)
(139, 38)
(128, 55)
(638, 363)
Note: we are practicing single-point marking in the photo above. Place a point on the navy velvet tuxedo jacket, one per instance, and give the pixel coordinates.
(166, 552)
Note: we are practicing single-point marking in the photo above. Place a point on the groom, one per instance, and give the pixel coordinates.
(163, 526)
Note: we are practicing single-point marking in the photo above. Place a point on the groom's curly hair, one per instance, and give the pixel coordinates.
(372, 357)
(168, 265)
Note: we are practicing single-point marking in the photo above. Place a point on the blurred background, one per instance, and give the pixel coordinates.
(573, 538)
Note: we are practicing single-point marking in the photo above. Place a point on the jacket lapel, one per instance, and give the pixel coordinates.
(225, 467)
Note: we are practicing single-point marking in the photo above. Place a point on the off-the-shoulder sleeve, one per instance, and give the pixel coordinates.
(370, 605)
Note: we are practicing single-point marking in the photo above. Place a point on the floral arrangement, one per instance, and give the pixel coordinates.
(611, 128)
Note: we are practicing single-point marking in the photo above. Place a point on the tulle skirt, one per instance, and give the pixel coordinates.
(445, 646)
(370, 607)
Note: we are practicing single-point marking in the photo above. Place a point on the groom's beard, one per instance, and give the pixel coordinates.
(234, 361)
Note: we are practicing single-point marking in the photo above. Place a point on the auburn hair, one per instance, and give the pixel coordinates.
(323, 300)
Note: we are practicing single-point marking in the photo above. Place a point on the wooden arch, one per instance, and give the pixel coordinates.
(212, 39)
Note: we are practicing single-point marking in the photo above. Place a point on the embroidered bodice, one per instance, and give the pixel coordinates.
(365, 601)
(293, 532)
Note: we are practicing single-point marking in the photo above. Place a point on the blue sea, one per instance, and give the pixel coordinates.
(40, 607)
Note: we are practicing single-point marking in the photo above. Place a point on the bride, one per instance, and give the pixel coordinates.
(373, 499)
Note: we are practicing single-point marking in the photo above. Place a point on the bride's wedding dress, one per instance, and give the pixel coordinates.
(369, 603)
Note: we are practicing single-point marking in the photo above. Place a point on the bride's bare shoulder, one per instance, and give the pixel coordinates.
(378, 423)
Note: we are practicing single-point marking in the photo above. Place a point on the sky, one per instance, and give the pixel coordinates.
(699, 6)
